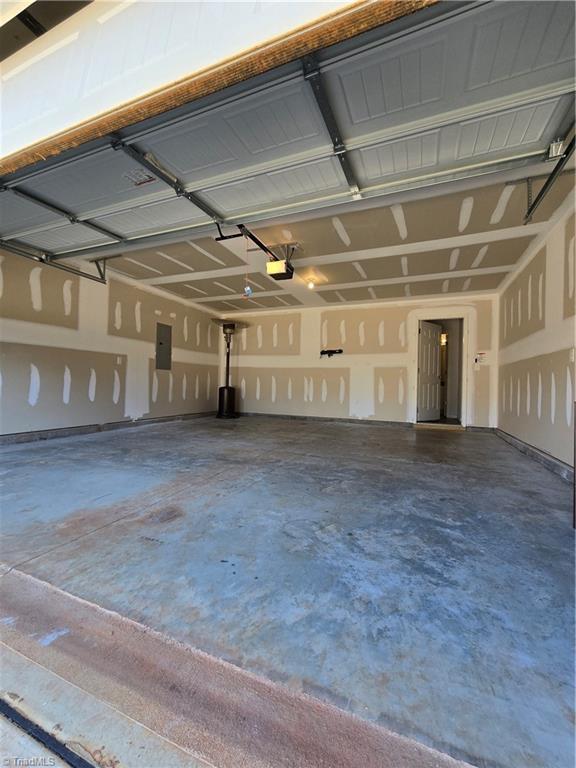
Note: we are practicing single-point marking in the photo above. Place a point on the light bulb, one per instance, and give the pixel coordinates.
(311, 285)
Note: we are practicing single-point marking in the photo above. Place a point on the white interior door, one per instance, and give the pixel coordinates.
(429, 371)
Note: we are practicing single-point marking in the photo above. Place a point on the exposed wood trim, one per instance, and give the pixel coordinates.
(362, 16)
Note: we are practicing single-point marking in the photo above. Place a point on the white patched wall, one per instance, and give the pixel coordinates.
(277, 367)
(75, 352)
(537, 344)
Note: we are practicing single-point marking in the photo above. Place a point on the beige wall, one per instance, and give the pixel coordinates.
(537, 372)
(277, 334)
(187, 388)
(133, 314)
(277, 367)
(294, 391)
(569, 267)
(75, 352)
(45, 387)
(523, 303)
(32, 293)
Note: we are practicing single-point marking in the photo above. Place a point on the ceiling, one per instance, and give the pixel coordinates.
(476, 95)
(466, 241)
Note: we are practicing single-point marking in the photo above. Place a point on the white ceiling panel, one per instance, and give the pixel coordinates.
(66, 238)
(154, 217)
(97, 184)
(18, 215)
(303, 182)
(516, 48)
(259, 131)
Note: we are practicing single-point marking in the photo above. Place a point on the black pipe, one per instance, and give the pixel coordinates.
(227, 373)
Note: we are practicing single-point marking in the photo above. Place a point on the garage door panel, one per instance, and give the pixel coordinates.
(276, 188)
(498, 136)
(155, 217)
(66, 238)
(529, 127)
(97, 184)
(19, 216)
(508, 49)
(396, 157)
(270, 129)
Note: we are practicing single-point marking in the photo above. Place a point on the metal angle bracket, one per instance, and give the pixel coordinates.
(47, 259)
(101, 267)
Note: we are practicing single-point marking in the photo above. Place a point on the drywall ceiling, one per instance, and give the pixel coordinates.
(467, 241)
(485, 90)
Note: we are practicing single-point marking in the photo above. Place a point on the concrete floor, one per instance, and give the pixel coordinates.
(419, 579)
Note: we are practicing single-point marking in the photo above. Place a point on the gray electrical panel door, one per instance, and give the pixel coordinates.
(163, 347)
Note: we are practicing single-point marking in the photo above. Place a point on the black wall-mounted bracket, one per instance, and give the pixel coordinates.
(330, 352)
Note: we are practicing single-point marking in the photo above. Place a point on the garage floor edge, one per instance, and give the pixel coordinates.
(212, 709)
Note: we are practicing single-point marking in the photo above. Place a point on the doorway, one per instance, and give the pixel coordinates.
(440, 371)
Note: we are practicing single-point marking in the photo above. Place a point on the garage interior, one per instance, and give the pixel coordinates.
(371, 563)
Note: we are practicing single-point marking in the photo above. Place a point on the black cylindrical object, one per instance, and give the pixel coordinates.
(227, 374)
(226, 403)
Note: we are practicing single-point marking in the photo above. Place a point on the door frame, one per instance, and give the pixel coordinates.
(468, 317)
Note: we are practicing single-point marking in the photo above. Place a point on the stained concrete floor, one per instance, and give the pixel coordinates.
(419, 579)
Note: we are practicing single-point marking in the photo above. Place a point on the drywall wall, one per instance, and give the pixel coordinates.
(75, 352)
(277, 367)
(537, 338)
